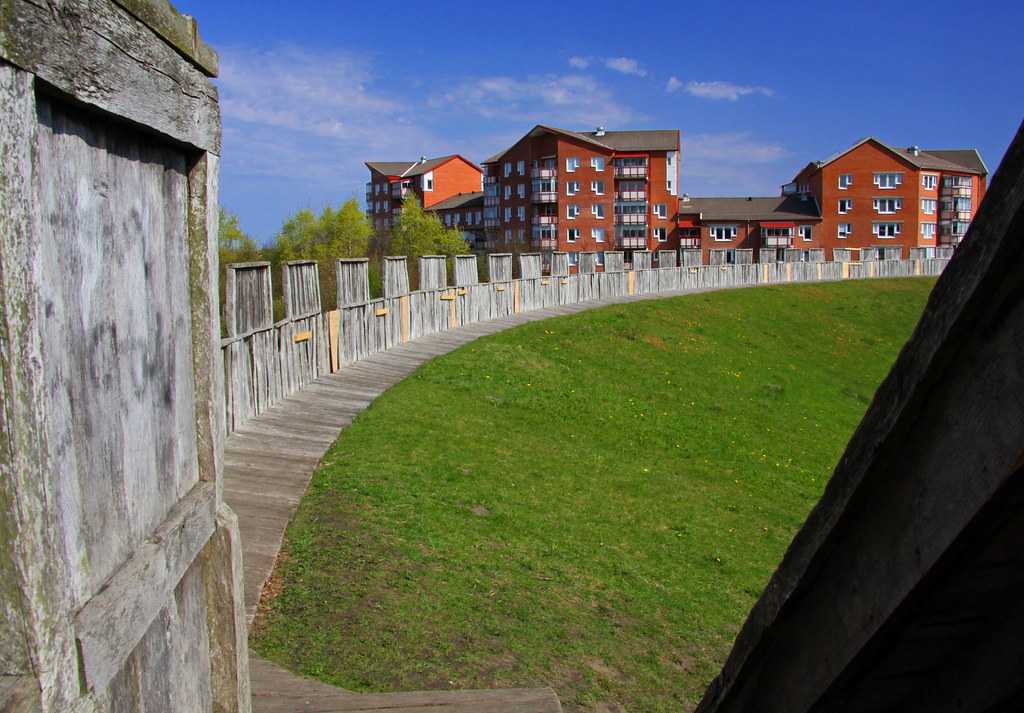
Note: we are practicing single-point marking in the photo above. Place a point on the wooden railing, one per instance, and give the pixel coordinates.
(265, 362)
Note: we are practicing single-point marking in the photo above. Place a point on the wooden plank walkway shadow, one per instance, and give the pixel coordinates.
(268, 465)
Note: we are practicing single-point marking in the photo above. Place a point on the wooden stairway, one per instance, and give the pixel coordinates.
(278, 691)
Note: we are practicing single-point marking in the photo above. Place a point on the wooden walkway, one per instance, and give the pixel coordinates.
(268, 465)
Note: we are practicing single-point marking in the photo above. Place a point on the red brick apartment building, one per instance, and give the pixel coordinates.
(575, 191)
(874, 195)
(730, 224)
(464, 212)
(430, 180)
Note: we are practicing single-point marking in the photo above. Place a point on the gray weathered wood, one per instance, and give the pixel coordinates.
(104, 56)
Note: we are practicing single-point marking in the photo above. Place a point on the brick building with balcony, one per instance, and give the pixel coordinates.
(875, 195)
(464, 212)
(755, 223)
(430, 180)
(577, 191)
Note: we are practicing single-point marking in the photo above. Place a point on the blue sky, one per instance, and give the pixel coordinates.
(310, 90)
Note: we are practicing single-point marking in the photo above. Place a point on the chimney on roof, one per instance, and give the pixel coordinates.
(749, 198)
(915, 150)
(423, 159)
(599, 131)
(686, 198)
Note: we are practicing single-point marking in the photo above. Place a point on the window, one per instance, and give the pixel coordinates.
(508, 214)
(888, 180)
(661, 235)
(777, 237)
(447, 218)
(521, 168)
(600, 259)
(574, 258)
(521, 190)
(661, 210)
(928, 230)
(845, 206)
(806, 233)
(887, 206)
(387, 204)
(597, 163)
(722, 232)
(956, 182)
(929, 181)
(572, 188)
(572, 210)
(508, 235)
(845, 229)
(597, 210)
(479, 217)
(845, 181)
(928, 206)
(885, 230)
(521, 212)
(572, 234)
(428, 182)
(508, 191)
(508, 169)
(597, 234)
(597, 187)
(521, 235)
(376, 189)
(571, 164)
(963, 204)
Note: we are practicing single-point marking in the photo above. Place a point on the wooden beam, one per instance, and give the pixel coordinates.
(110, 625)
(102, 55)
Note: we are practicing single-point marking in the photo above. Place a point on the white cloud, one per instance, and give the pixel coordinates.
(571, 99)
(731, 164)
(673, 84)
(626, 65)
(725, 90)
(579, 62)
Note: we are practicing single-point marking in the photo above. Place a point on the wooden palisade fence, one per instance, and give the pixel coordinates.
(120, 563)
(263, 364)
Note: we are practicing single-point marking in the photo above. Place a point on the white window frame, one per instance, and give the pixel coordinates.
(888, 180)
(572, 188)
(508, 213)
(508, 191)
(597, 163)
(571, 164)
(844, 230)
(926, 202)
(599, 258)
(521, 168)
(597, 210)
(572, 211)
(806, 232)
(930, 181)
(660, 210)
(929, 233)
(521, 190)
(597, 188)
(895, 203)
(891, 232)
(728, 228)
(508, 169)
(661, 235)
(572, 235)
(521, 212)
(844, 206)
(508, 235)
(597, 235)
(844, 184)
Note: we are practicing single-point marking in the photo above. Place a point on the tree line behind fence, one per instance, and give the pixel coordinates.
(265, 360)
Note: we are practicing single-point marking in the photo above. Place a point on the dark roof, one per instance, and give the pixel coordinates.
(642, 140)
(965, 160)
(462, 200)
(406, 169)
(753, 209)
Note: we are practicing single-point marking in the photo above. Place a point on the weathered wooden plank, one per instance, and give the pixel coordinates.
(104, 56)
(111, 624)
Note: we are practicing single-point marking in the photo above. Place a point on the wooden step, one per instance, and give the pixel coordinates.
(275, 690)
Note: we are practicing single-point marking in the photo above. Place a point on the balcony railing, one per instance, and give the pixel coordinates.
(545, 220)
(544, 243)
(490, 200)
(962, 215)
(491, 222)
(631, 243)
(489, 180)
(544, 173)
(777, 242)
(957, 191)
(631, 196)
(544, 197)
(631, 219)
(631, 171)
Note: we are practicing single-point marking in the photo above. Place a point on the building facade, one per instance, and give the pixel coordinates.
(874, 195)
(464, 212)
(429, 180)
(574, 191)
(755, 224)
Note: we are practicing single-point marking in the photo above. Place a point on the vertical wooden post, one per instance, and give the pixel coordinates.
(404, 308)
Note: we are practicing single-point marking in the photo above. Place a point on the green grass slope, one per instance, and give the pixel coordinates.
(592, 503)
